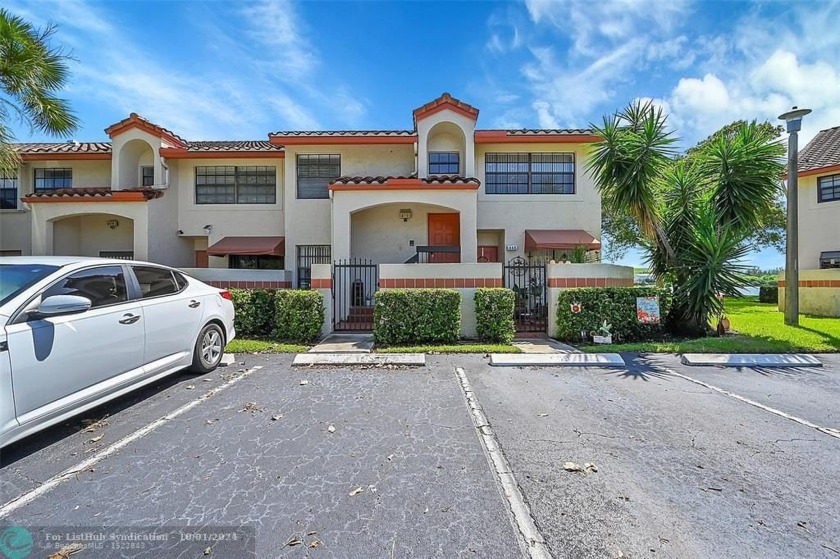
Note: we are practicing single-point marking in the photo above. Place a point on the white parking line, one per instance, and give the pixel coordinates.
(827, 430)
(534, 540)
(71, 473)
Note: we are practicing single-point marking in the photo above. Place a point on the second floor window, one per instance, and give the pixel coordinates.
(147, 175)
(226, 184)
(444, 163)
(314, 174)
(52, 179)
(529, 173)
(8, 192)
(828, 188)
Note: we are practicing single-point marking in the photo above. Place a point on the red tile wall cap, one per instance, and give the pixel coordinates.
(72, 147)
(242, 149)
(445, 101)
(405, 180)
(94, 194)
(342, 137)
(136, 121)
(533, 136)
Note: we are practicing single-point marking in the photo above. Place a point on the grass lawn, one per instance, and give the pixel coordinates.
(246, 345)
(455, 348)
(757, 328)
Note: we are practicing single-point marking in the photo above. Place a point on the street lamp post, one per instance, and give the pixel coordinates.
(793, 119)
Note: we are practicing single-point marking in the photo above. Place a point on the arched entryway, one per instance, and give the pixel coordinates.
(136, 164)
(105, 235)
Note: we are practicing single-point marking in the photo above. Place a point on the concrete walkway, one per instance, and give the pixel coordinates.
(543, 345)
(345, 343)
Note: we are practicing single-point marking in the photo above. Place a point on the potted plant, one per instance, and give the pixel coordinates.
(603, 335)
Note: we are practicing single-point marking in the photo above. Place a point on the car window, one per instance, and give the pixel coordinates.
(15, 278)
(182, 281)
(103, 286)
(155, 282)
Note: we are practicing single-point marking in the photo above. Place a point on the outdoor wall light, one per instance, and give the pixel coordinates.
(208, 227)
(405, 214)
(112, 223)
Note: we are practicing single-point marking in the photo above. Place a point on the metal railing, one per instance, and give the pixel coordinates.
(435, 255)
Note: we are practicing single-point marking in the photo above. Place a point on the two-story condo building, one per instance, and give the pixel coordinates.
(443, 191)
(819, 202)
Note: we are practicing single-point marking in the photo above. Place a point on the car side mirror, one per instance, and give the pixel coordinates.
(58, 305)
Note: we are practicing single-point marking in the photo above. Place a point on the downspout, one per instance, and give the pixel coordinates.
(165, 184)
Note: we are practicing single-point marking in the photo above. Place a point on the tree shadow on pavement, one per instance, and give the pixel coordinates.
(639, 368)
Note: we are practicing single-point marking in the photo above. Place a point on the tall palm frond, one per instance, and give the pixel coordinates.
(745, 171)
(31, 72)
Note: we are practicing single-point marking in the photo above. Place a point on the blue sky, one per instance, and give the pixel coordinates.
(239, 70)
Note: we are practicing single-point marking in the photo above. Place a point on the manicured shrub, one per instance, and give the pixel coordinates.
(299, 315)
(254, 312)
(616, 305)
(494, 314)
(416, 316)
(768, 294)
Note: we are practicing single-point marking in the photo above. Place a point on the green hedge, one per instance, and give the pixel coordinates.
(416, 316)
(616, 305)
(768, 294)
(494, 308)
(254, 312)
(299, 315)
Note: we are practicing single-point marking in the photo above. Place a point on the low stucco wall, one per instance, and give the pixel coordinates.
(819, 292)
(570, 276)
(321, 281)
(463, 278)
(244, 279)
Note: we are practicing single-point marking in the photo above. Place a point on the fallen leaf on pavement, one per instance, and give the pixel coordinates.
(543, 415)
(208, 551)
(314, 544)
(67, 551)
(356, 491)
(304, 382)
(251, 407)
(331, 428)
(96, 439)
(312, 533)
(190, 387)
(590, 467)
(572, 467)
(276, 417)
(293, 541)
(390, 457)
(92, 425)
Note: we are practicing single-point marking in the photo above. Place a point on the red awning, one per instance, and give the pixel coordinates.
(565, 239)
(274, 246)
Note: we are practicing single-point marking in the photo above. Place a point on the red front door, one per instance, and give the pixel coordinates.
(488, 253)
(445, 231)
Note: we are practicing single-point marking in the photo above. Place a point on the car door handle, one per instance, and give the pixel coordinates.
(193, 304)
(129, 319)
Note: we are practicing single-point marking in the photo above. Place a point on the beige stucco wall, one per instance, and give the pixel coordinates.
(819, 225)
(165, 246)
(427, 139)
(380, 235)
(228, 220)
(88, 235)
(16, 230)
(324, 272)
(46, 215)
(517, 212)
(346, 203)
(819, 301)
(85, 173)
(131, 149)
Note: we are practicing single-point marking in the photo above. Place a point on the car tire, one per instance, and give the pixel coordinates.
(209, 349)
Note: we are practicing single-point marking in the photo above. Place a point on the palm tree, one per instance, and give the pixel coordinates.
(695, 213)
(31, 72)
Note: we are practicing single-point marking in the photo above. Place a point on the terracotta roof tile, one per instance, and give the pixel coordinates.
(64, 147)
(446, 100)
(438, 179)
(541, 131)
(94, 192)
(136, 119)
(234, 145)
(345, 133)
(822, 151)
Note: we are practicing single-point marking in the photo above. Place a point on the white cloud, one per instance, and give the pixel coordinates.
(274, 24)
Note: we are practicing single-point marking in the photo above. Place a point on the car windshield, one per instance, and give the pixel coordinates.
(14, 278)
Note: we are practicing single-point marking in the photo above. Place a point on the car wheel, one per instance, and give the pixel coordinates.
(208, 350)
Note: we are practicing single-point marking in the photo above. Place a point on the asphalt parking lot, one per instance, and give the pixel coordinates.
(387, 463)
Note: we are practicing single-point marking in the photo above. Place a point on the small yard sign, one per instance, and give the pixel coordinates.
(647, 310)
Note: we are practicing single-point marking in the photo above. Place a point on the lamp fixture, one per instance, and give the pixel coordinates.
(180, 231)
(405, 214)
(112, 223)
(208, 227)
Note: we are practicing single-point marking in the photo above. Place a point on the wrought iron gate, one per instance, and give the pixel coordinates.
(355, 283)
(528, 282)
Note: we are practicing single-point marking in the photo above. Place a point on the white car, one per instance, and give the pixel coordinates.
(77, 331)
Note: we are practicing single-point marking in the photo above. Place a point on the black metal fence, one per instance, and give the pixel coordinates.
(355, 283)
(307, 255)
(528, 282)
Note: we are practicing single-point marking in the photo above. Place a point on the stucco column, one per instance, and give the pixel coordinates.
(341, 220)
(141, 233)
(322, 283)
(42, 234)
(469, 229)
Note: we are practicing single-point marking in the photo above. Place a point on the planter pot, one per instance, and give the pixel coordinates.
(725, 323)
(602, 339)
